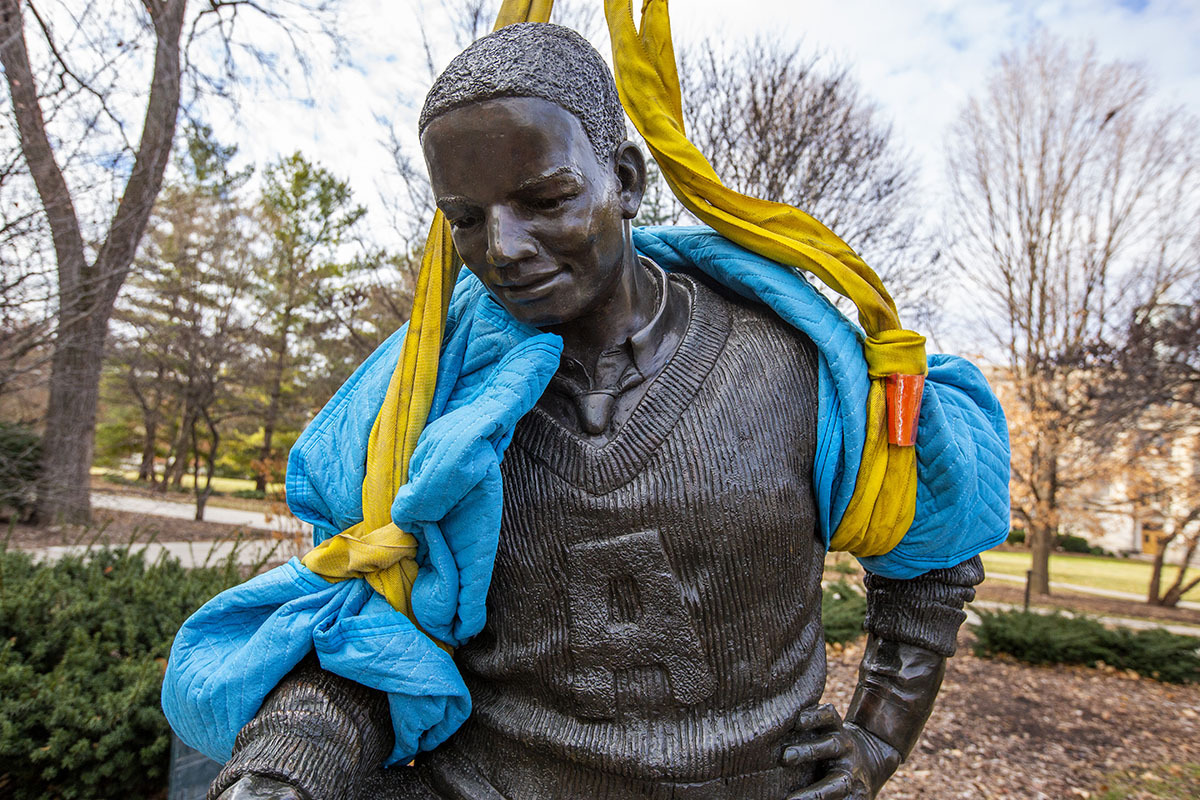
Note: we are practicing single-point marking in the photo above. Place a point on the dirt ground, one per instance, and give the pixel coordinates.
(1007, 730)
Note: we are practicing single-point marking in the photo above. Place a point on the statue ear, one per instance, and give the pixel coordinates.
(630, 166)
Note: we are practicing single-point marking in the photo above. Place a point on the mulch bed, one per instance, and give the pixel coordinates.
(1007, 730)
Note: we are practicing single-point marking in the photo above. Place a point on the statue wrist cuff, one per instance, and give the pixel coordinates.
(307, 764)
(897, 685)
(926, 611)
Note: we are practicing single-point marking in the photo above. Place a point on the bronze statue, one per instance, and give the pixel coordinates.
(654, 626)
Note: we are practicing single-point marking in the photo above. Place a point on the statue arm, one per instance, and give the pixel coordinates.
(912, 628)
(315, 737)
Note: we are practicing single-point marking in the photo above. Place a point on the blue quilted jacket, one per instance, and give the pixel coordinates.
(235, 649)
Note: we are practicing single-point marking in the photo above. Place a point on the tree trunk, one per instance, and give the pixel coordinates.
(1178, 588)
(64, 492)
(1043, 527)
(266, 455)
(1041, 543)
(86, 292)
(146, 468)
(177, 467)
(211, 463)
(1152, 595)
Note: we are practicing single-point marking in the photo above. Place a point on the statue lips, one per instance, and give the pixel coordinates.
(529, 288)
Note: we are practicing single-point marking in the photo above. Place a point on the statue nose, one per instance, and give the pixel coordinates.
(508, 239)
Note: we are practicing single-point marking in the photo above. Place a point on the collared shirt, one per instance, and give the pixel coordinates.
(626, 366)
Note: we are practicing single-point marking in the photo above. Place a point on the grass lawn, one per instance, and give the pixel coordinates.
(1168, 782)
(223, 485)
(1118, 574)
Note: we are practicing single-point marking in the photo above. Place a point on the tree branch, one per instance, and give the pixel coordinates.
(39, 155)
(158, 134)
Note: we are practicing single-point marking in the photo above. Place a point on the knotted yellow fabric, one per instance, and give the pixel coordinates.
(884, 499)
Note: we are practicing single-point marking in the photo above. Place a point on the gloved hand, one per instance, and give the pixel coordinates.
(851, 762)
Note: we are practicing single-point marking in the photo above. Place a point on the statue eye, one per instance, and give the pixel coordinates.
(464, 221)
(548, 203)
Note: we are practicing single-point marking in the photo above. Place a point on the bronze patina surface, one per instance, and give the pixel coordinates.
(654, 616)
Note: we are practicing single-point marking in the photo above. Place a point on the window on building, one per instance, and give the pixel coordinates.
(1152, 537)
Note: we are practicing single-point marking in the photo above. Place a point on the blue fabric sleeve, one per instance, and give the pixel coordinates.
(962, 439)
(235, 649)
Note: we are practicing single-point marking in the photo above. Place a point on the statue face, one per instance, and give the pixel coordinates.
(533, 213)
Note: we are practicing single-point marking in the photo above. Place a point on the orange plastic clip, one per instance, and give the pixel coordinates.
(903, 407)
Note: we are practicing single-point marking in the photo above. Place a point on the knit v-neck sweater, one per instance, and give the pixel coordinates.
(653, 625)
(655, 604)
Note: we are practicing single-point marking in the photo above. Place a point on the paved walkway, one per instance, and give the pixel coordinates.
(248, 552)
(1072, 587)
(226, 516)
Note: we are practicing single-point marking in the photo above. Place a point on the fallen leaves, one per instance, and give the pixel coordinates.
(1002, 729)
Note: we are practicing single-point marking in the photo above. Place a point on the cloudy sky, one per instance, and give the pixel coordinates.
(919, 59)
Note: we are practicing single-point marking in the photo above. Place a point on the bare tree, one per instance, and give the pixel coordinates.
(1073, 193)
(67, 102)
(786, 126)
(1145, 421)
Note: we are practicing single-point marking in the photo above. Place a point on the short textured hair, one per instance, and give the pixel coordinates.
(534, 59)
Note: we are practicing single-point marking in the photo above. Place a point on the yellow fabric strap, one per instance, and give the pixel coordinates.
(880, 511)
(884, 499)
(375, 549)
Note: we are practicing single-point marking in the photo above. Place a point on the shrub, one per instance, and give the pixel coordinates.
(842, 567)
(1016, 536)
(842, 611)
(120, 480)
(250, 494)
(83, 646)
(1059, 639)
(1073, 544)
(20, 468)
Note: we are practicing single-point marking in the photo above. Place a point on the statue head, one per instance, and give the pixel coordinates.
(524, 137)
(533, 59)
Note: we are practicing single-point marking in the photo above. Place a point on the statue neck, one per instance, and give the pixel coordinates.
(627, 309)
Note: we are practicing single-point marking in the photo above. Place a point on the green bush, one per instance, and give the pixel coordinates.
(1016, 536)
(20, 468)
(83, 646)
(842, 611)
(1073, 544)
(250, 494)
(121, 480)
(1059, 639)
